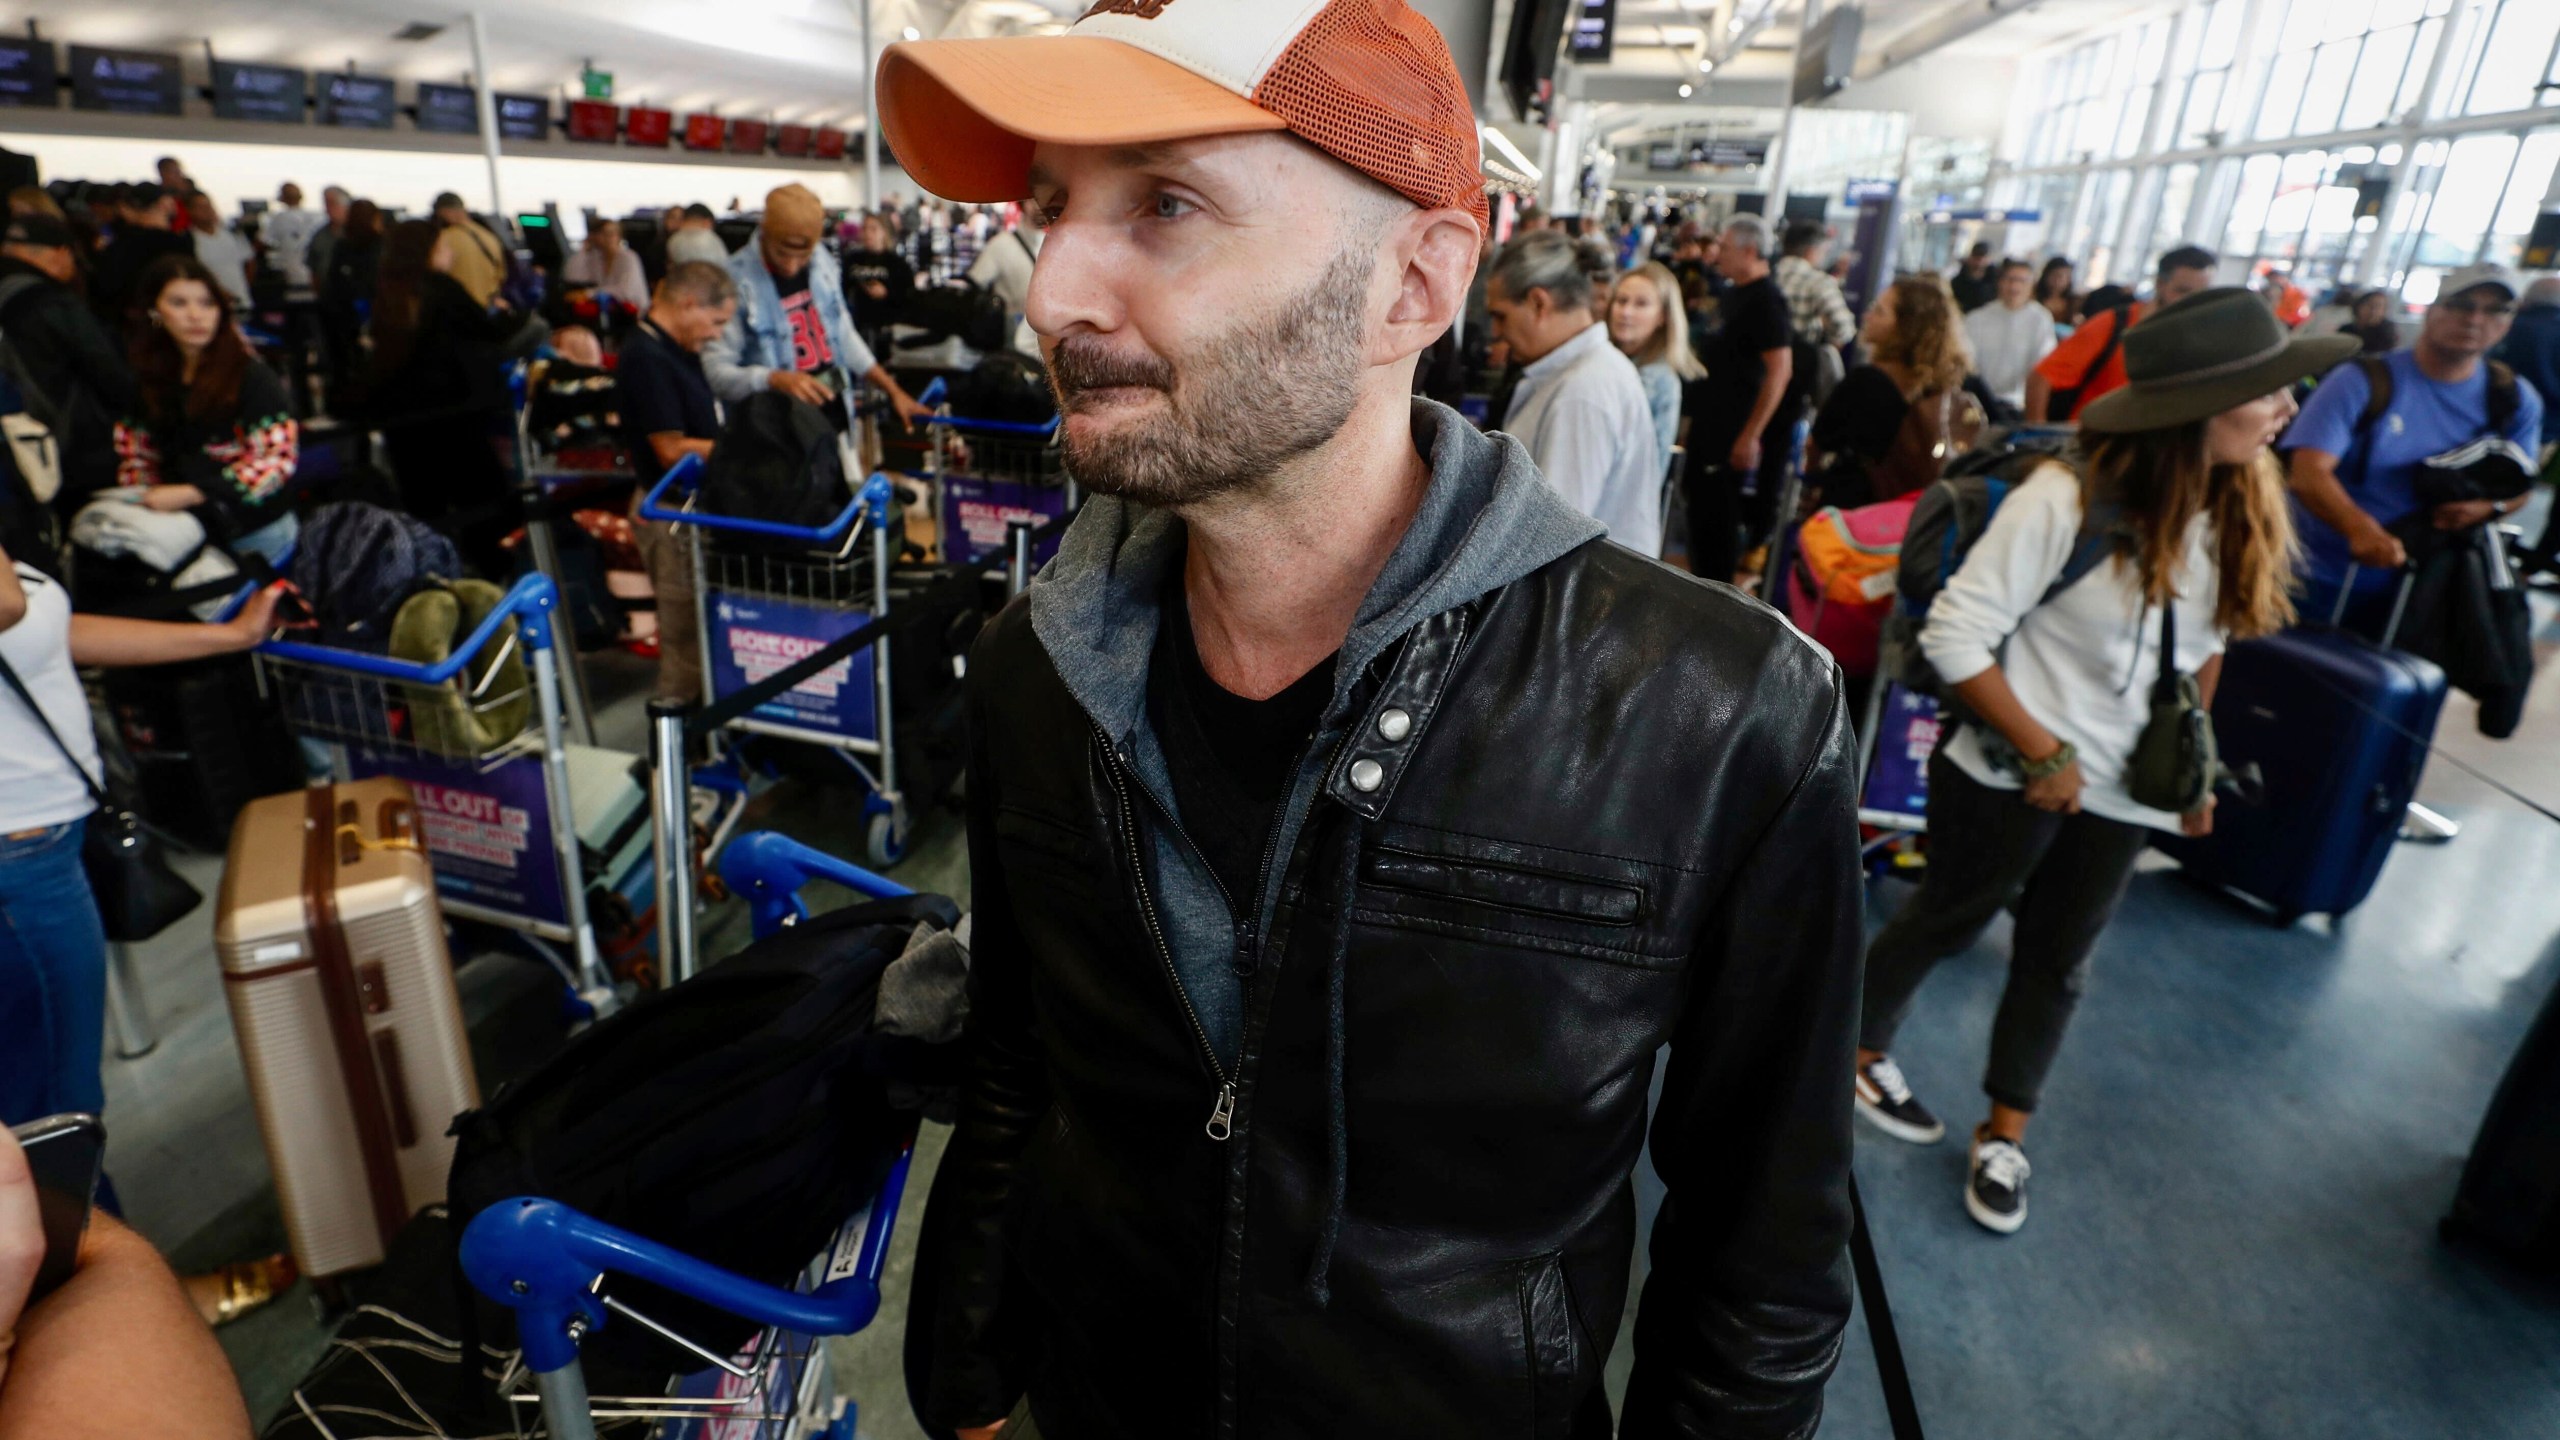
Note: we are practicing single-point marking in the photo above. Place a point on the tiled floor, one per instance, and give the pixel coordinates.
(2240, 1164)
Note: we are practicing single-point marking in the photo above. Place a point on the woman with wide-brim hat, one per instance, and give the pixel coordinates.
(2030, 803)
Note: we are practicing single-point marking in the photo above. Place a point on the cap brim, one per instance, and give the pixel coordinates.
(2126, 409)
(963, 115)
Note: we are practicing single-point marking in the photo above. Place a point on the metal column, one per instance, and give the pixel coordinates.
(671, 833)
(127, 1014)
(870, 111)
(2369, 264)
(486, 95)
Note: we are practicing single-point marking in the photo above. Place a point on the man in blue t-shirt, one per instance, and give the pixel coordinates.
(669, 412)
(2353, 483)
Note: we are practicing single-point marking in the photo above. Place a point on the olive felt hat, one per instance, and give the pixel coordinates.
(2209, 352)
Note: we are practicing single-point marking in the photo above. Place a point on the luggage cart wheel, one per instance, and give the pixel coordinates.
(885, 841)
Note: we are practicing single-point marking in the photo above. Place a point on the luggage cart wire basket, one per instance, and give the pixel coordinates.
(554, 1267)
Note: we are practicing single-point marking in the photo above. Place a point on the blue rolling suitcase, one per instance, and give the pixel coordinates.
(2338, 727)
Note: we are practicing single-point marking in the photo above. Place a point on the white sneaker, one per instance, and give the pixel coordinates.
(1995, 1191)
(1886, 1102)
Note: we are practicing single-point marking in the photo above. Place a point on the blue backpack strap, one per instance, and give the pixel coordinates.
(2096, 542)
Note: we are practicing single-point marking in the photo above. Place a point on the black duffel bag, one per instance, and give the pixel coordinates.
(777, 460)
(739, 1117)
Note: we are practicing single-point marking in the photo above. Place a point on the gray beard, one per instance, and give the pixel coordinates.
(1269, 389)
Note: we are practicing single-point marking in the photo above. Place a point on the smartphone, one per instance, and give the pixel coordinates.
(64, 1152)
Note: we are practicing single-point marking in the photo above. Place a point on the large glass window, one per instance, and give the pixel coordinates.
(2515, 59)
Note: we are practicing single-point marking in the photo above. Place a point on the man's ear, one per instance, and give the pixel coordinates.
(1433, 253)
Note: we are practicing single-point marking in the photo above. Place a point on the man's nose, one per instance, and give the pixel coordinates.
(1074, 281)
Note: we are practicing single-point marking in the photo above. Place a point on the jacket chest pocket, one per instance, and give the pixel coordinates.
(1512, 894)
(1043, 854)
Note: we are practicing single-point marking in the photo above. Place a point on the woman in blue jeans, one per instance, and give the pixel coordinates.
(53, 968)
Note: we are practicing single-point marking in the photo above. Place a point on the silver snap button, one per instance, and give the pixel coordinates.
(1394, 725)
(1367, 775)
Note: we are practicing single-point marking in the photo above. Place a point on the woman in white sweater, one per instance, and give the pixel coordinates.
(2028, 805)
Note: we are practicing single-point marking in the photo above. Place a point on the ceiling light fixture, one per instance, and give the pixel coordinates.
(912, 33)
(1686, 90)
(1706, 66)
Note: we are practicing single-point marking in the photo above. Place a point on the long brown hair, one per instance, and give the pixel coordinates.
(215, 392)
(2164, 479)
(1928, 333)
(400, 293)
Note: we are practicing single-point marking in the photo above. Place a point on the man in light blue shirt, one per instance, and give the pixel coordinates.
(1580, 409)
(2355, 482)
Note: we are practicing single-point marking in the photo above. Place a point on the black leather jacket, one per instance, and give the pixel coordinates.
(1623, 815)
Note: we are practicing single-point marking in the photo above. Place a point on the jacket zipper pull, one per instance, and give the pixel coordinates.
(1222, 1119)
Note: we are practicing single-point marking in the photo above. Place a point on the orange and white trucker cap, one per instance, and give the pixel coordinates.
(1368, 82)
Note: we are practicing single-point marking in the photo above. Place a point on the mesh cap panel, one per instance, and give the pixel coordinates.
(1370, 83)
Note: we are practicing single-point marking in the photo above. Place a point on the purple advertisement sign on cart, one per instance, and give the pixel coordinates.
(1907, 731)
(488, 834)
(975, 514)
(753, 637)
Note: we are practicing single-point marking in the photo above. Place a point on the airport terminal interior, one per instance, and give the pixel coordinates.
(513, 509)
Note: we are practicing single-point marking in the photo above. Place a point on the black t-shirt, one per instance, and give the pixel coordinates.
(660, 388)
(811, 349)
(1231, 758)
(894, 274)
(1862, 417)
(1754, 321)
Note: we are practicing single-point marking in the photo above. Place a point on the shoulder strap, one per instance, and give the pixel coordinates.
(9, 674)
(2502, 395)
(2377, 400)
(2107, 348)
(2097, 540)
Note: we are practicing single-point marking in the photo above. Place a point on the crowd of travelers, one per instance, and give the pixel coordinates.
(2241, 458)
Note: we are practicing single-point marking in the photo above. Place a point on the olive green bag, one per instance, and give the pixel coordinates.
(2176, 762)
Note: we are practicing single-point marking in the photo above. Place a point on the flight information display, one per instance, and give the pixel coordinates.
(258, 92)
(829, 145)
(704, 132)
(644, 126)
(594, 122)
(126, 82)
(448, 109)
(27, 74)
(791, 140)
(746, 137)
(523, 117)
(360, 102)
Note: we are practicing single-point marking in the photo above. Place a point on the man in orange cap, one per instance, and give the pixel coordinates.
(1350, 823)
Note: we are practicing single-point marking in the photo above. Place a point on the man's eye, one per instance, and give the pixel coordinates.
(1172, 207)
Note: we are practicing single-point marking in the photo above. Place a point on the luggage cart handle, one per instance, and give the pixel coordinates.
(686, 475)
(937, 393)
(544, 1260)
(769, 869)
(529, 602)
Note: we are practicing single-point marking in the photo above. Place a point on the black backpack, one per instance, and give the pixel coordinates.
(1007, 386)
(357, 564)
(778, 461)
(976, 316)
(739, 1117)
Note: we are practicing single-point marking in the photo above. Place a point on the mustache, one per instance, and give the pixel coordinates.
(1079, 365)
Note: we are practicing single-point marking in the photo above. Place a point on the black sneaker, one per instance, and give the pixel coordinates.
(1995, 1193)
(1885, 1099)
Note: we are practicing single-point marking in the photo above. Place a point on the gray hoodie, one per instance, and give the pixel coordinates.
(1488, 519)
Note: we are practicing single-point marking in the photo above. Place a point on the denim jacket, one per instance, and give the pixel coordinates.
(741, 359)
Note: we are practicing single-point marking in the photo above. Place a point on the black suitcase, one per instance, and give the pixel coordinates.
(2509, 1199)
(205, 740)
